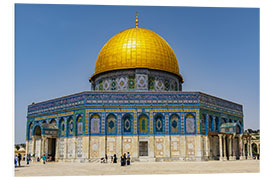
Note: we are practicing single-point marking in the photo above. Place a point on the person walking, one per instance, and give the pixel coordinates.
(44, 158)
(27, 160)
(114, 158)
(15, 160)
(19, 159)
(122, 160)
(111, 159)
(106, 158)
(128, 159)
(125, 159)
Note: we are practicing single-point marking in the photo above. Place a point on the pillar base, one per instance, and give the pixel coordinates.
(242, 157)
(249, 157)
(232, 158)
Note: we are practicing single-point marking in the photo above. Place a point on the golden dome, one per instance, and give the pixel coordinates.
(136, 48)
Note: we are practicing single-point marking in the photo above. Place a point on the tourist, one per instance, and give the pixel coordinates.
(19, 159)
(106, 158)
(125, 158)
(122, 161)
(44, 158)
(114, 158)
(38, 160)
(128, 158)
(27, 159)
(15, 160)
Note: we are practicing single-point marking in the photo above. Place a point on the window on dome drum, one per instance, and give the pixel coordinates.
(126, 123)
(79, 125)
(159, 123)
(111, 124)
(95, 124)
(190, 123)
(174, 123)
(143, 124)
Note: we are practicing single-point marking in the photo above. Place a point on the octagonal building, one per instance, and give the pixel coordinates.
(136, 105)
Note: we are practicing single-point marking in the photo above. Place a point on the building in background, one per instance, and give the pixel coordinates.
(137, 105)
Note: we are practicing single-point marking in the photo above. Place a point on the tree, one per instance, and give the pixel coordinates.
(17, 147)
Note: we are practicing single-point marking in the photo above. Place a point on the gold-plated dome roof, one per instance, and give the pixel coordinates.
(136, 48)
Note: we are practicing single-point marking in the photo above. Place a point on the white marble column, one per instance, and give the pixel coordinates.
(241, 155)
(224, 147)
(244, 148)
(220, 147)
(33, 145)
(250, 148)
(233, 147)
(230, 147)
(207, 153)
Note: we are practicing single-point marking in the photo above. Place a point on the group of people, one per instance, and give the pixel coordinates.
(18, 158)
(125, 159)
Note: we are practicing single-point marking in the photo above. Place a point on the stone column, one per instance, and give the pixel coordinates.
(220, 147)
(206, 147)
(233, 148)
(244, 148)
(224, 147)
(250, 148)
(33, 145)
(230, 147)
(43, 138)
(40, 148)
(241, 155)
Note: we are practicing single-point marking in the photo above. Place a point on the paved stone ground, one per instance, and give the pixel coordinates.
(84, 169)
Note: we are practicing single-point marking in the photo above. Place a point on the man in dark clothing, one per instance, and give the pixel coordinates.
(19, 159)
(114, 158)
(125, 159)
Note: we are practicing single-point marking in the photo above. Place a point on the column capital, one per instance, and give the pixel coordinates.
(220, 135)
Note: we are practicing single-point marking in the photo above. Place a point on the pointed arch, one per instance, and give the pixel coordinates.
(111, 124)
(79, 125)
(159, 123)
(95, 120)
(143, 123)
(127, 124)
(70, 126)
(174, 124)
(190, 123)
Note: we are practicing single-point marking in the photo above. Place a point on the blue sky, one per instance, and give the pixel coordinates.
(56, 47)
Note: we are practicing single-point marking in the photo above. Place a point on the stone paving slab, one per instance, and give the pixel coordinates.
(85, 169)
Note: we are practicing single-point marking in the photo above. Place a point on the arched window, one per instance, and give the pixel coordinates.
(30, 130)
(159, 123)
(79, 125)
(238, 129)
(209, 123)
(203, 123)
(127, 123)
(37, 131)
(111, 124)
(62, 126)
(174, 123)
(53, 121)
(143, 124)
(95, 124)
(70, 126)
(190, 123)
(216, 123)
